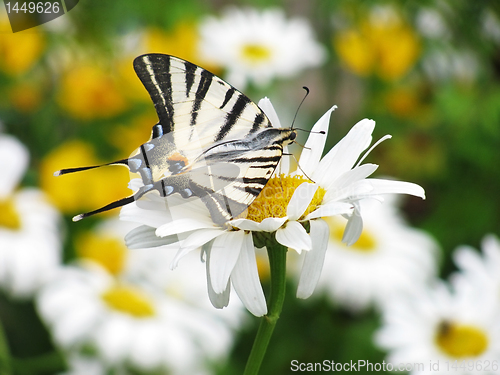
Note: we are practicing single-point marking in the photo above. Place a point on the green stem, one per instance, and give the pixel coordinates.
(5, 360)
(277, 263)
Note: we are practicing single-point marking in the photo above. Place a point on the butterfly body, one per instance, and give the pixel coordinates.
(211, 140)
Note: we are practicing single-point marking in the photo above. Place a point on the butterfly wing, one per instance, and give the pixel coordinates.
(255, 158)
(211, 140)
(187, 96)
(224, 145)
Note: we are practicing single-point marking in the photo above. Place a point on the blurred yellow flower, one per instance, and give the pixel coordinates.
(386, 46)
(132, 135)
(87, 92)
(82, 191)
(403, 102)
(129, 83)
(19, 51)
(26, 96)
(181, 41)
(106, 250)
(415, 155)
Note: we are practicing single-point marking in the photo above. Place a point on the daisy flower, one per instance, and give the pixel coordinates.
(445, 330)
(259, 45)
(130, 324)
(340, 184)
(30, 243)
(389, 257)
(285, 202)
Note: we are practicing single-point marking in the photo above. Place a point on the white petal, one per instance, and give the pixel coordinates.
(14, 159)
(314, 259)
(194, 241)
(144, 237)
(344, 154)
(181, 226)
(218, 300)
(245, 279)
(353, 228)
(153, 216)
(300, 200)
(269, 224)
(396, 187)
(313, 149)
(294, 235)
(331, 209)
(351, 176)
(223, 256)
(113, 338)
(268, 108)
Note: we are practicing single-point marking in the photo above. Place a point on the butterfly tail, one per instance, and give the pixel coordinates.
(115, 204)
(79, 169)
(119, 203)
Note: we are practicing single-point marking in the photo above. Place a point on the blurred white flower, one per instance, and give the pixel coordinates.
(15, 158)
(430, 23)
(80, 364)
(259, 45)
(448, 63)
(105, 246)
(491, 25)
(389, 257)
(440, 328)
(481, 272)
(131, 323)
(30, 243)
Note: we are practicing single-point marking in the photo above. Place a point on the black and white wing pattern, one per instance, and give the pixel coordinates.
(211, 141)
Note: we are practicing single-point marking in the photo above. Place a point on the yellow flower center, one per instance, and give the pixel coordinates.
(255, 53)
(461, 341)
(129, 300)
(9, 217)
(274, 198)
(365, 244)
(109, 252)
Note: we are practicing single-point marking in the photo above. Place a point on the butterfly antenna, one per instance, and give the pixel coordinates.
(297, 112)
(79, 169)
(300, 105)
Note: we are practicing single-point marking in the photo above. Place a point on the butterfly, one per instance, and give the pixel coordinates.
(211, 141)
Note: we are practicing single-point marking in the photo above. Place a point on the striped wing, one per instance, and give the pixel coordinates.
(187, 96)
(255, 158)
(211, 141)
